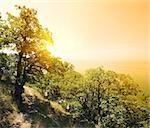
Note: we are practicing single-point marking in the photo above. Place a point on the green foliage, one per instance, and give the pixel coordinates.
(107, 100)
(61, 82)
(70, 84)
(102, 97)
(8, 66)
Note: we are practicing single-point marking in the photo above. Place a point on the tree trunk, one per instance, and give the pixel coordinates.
(18, 96)
(18, 85)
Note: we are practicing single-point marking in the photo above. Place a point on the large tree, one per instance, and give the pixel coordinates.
(24, 34)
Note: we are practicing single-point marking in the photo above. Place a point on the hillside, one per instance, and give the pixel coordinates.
(39, 113)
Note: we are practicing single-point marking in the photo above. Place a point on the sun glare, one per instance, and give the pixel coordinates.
(51, 49)
(57, 52)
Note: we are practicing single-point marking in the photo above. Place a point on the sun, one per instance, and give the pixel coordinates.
(51, 49)
(57, 52)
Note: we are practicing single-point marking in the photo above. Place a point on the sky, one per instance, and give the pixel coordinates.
(91, 33)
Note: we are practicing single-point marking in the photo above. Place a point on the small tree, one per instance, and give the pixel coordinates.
(29, 40)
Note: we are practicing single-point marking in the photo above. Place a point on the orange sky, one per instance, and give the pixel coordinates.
(90, 33)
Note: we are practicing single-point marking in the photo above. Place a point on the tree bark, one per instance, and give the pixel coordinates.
(18, 84)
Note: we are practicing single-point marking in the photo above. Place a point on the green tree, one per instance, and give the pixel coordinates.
(113, 100)
(29, 40)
